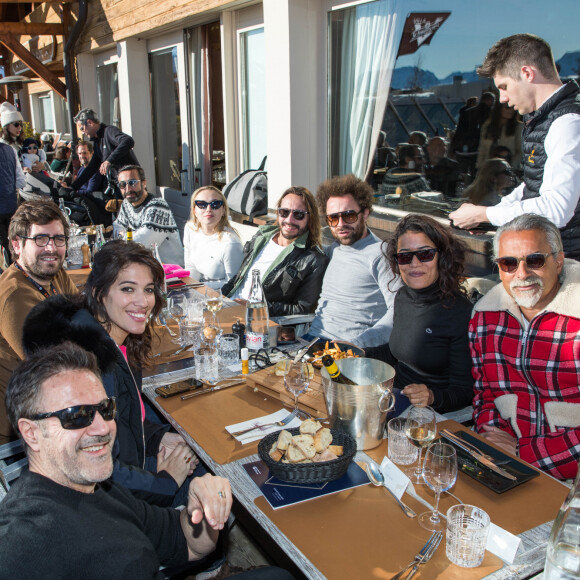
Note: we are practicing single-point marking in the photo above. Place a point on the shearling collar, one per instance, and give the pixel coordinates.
(566, 302)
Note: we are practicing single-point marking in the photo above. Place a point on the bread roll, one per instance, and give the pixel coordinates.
(322, 440)
(306, 445)
(275, 453)
(327, 455)
(294, 454)
(310, 427)
(284, 439)
(338, 450)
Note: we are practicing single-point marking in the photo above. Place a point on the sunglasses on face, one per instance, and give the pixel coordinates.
(215, 204)
(348, 217)
(33, 147)
(130, 183)
(81, 416)
(297, 214)
(17, 124)
(42, 240)
(405, 258)
(535, 261)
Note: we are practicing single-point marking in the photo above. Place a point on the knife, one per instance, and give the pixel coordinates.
(478, 456)
(212, 389)
(175, 352)
(301, 352)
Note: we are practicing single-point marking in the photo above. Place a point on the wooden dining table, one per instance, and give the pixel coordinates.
(361, 532)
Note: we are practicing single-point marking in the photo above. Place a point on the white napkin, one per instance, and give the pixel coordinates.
(258, 434)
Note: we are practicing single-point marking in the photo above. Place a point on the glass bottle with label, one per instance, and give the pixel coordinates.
(563, 554)
(99, 238)
(257, 317)
(334, 372)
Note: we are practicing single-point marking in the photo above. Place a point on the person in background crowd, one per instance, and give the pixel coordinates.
(441, 172)
(504, 127)
(12, 126)
(408, 177)
(113, 149)
(11, 178)
(113, 319)
(288, 255)
(431, 355)
(38, 235)
(525, 347)
(60, 161)
(149, 217)
(212, 249)
(522, 68)
(495, 179)
(355, 303)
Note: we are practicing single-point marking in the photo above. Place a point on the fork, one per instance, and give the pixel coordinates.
(422, 554)
(281, 423)
(428, 555)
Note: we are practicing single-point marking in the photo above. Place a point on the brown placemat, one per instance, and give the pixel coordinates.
(312, 400)
(198, 417)
(509, 510)
(362, 533)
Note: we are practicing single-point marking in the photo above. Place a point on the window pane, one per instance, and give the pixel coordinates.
(166, 117)
(46, 116)
(108, 95)
(253, 98)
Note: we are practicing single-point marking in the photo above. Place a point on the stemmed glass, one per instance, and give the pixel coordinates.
(296, 378)
(440, 474)
(178, 310)
(213, 300)
(420, 428)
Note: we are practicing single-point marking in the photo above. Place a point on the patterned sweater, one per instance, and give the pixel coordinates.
(153, 222)
(527, 381)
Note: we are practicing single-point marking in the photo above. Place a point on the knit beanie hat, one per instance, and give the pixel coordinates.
(9, 114)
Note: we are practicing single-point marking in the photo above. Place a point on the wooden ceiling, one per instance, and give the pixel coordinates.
(16, 25)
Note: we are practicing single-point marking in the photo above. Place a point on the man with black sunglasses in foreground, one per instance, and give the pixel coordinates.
(150, 217)
(289, 256)
(64, 517)
(356, 302)
(38, 235)
(525, 345)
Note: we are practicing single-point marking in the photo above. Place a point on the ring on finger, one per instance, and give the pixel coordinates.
(222, 494)
(187, 459)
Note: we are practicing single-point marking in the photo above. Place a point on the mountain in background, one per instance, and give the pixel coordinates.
(407, 76)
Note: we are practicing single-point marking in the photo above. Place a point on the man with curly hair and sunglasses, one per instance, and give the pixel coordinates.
(38, 235)
(288, 255)
(355, 303)
(525, 346)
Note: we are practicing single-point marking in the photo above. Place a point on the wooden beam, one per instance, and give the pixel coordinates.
(31, 28)
(33, 64)
(44, 2)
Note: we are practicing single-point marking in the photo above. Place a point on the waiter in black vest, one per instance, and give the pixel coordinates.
(523, 70)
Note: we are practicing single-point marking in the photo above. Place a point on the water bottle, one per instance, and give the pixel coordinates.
(257, 317)
(99, 238)
(563, 554)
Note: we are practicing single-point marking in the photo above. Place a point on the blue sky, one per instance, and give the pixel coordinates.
(474, 25)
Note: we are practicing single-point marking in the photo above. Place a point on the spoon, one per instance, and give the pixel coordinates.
(377, 479)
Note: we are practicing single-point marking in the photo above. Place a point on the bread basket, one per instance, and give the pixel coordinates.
(309, 472)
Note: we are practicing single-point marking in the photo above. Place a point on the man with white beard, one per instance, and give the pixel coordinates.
(525, 345)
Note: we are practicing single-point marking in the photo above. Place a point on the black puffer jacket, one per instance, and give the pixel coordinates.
(61, 318)
(292, 286)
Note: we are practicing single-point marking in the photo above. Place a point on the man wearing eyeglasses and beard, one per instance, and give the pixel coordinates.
(288, 255)
(150, 217)
(525, 345)
(38, 235)
(356, 302)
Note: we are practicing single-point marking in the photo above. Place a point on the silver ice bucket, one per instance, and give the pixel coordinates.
(360, 409)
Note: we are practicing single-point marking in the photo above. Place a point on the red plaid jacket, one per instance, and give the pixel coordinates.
(527, 382)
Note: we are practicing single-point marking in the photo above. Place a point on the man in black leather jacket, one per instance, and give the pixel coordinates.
(288, 255)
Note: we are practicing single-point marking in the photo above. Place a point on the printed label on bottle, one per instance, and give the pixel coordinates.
(254, 341)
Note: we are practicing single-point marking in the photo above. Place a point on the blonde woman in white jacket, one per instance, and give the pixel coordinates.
(213, 250)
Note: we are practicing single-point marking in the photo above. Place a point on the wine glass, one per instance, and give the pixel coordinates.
(296, 378)
(213, 300)
(420, 428)
(178, 310)
(440, 474)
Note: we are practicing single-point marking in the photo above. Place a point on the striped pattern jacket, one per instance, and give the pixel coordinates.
(527, 381)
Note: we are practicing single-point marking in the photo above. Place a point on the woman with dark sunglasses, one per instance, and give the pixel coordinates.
(213, 249)
(428, 345)
(113, 318)
(12, 126)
